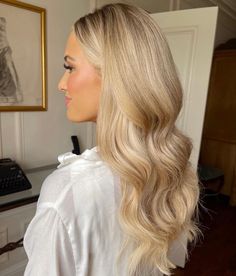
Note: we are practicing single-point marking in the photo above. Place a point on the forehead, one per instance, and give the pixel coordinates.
(72, 45)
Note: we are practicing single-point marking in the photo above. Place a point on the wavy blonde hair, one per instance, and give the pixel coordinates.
(136, 133)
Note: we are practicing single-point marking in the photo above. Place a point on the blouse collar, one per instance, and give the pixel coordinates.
(69, 157)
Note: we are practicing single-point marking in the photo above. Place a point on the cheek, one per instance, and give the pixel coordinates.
(83, 84)
(74, 84)
(84, 89)
(78, 84)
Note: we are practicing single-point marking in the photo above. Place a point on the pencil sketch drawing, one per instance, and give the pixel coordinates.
(10, 91)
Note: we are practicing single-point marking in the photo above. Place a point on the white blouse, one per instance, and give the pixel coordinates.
(75, 230)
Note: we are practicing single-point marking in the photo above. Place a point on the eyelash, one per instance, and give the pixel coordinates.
(67, 67)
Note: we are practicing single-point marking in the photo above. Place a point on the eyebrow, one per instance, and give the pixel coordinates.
(69, 57)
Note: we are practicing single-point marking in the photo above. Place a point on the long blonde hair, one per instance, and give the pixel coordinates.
(136, 133)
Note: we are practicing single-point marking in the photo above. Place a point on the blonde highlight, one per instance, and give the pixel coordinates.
(136, 132)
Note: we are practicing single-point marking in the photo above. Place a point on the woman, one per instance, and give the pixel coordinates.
(117, 208)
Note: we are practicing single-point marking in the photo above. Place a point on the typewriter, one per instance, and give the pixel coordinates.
(12, 177)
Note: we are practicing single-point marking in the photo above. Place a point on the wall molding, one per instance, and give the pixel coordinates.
(19, 136)
(18, 210)
(4, 240)
(16, 269)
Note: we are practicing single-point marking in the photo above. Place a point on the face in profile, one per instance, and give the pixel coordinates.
(80, 83)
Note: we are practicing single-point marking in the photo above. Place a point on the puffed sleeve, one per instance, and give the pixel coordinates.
(48, 246)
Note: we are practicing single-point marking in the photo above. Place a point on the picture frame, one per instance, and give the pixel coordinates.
(23, 84)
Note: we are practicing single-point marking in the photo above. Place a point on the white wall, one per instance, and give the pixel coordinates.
(37, 138)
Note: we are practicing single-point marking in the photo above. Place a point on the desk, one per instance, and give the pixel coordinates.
(36, 177)
(16, 212)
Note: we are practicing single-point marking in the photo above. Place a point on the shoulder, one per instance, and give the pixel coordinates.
(80, 178)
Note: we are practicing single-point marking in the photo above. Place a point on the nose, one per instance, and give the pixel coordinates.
(62, 85)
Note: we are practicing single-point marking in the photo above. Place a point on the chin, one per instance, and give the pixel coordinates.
(78, 119)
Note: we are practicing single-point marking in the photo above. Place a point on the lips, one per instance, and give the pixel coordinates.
(67, 100)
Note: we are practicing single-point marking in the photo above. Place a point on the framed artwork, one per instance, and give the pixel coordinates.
(22, 57)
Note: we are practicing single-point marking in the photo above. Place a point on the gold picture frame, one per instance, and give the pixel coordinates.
(23, 83)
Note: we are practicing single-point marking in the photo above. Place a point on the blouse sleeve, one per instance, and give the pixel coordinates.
(47, 245)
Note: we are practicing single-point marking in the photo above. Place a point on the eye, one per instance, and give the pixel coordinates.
(67, 67)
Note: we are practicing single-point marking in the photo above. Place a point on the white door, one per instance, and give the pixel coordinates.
(190, 34)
